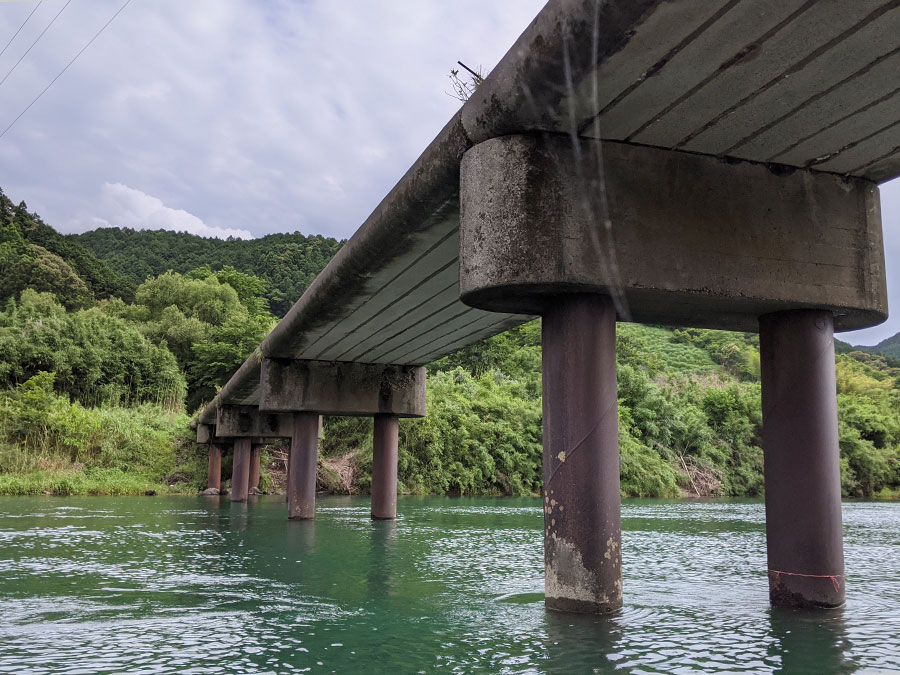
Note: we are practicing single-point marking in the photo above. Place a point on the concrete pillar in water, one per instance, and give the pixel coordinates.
(255, 449)
(302, 473)
(214, 473)
(582, 532)
(240, 472)
(384, 467)
(287, 481)
(802, 460)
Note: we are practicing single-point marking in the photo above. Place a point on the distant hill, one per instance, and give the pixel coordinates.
(889, 347)
(288, 262)
(34, 255)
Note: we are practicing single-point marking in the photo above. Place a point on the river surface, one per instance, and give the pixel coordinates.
(201, 585)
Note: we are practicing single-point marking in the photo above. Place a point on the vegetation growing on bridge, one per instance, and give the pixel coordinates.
(97, 371)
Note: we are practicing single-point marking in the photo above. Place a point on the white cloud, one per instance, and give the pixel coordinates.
(123, 206)
(260, 115)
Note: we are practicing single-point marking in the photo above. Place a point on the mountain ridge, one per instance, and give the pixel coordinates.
(288, 262)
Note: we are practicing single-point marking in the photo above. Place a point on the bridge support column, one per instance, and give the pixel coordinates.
(384, 467)
(287, 481)
(802, 461)
(240, 473)
(214, 472)
(301, 487)
(582, 532)
(255, 449)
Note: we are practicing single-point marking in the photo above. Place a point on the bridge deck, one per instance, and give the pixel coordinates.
(800, 83)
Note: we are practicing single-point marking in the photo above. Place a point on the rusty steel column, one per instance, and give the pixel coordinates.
(384, 467)
(802, 459)
(302, 474)
(255, 449)
(240, 472)
(214, 473)
(582, 532)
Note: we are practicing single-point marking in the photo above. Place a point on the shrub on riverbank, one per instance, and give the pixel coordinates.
(49, 444)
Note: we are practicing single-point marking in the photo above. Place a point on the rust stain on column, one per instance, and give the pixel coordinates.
(254, 465)
(302, 474)
(240, 473)
(802, 459)
(581, 500)
(384, 467)
(214, 474)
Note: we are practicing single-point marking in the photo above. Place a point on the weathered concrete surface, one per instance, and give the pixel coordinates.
(384, 467)
(331, 388)
(582, 531)
(802, 460)
(791, 81)
(679, 238)
(301, 489)
(241, 421)
(240, 472)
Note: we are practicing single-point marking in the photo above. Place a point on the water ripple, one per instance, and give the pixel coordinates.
(182, 585)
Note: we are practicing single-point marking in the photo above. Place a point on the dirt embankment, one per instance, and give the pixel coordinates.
(338, 474)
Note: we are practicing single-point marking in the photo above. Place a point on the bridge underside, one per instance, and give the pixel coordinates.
(691, 162)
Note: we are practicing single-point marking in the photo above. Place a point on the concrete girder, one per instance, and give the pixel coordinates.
(340, 388)
(674, 237)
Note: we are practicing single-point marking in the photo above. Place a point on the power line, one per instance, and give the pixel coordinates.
(21, 27)
(74, 58)
(34, 43)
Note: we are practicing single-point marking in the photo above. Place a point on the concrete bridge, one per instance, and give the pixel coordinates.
(709, 163)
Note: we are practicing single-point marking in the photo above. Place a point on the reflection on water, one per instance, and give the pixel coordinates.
(209, 586)
(803, 639)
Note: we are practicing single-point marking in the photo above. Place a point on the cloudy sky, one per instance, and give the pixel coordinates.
(244, 117)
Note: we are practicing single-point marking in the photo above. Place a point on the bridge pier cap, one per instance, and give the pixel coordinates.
(341, 388)
(686, 239)
(247, 421)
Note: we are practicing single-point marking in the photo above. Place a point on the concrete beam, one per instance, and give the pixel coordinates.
(340, 388)
(674, 237)
(239, 421)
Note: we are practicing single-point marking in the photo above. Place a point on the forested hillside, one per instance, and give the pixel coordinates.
(288, 263)
(33, 255)
(96, 370)
(889, 347)
(98, 373)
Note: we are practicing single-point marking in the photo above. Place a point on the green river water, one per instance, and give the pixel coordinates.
(201, 585)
